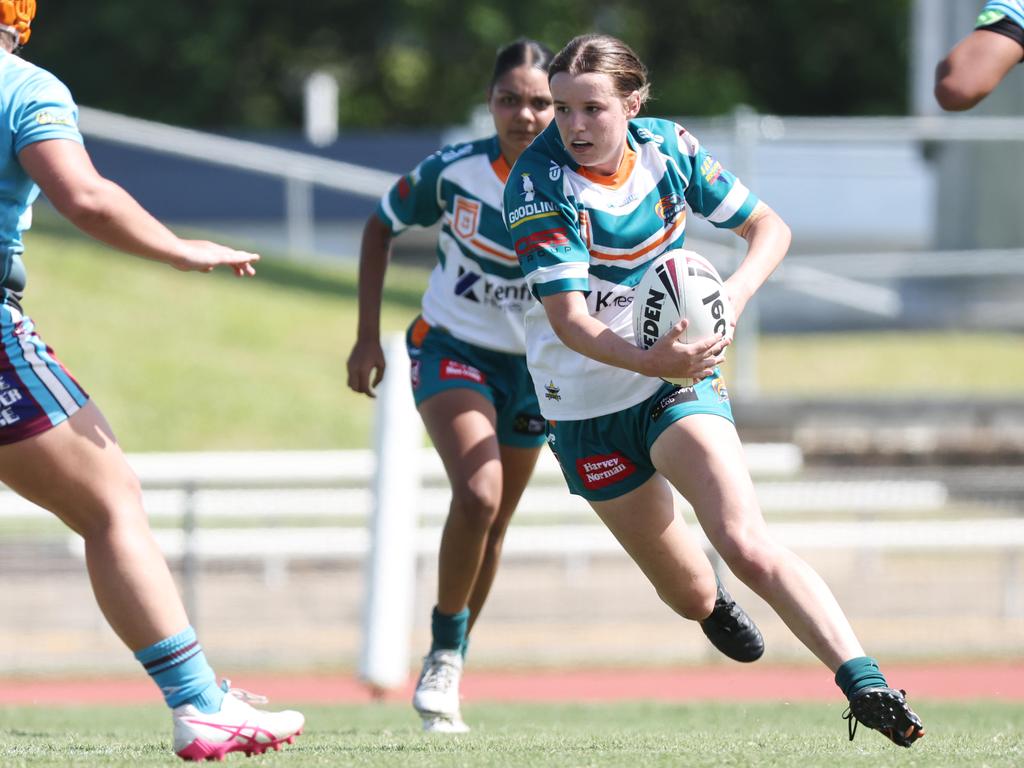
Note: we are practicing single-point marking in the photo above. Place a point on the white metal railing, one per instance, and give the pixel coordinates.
(299, 171)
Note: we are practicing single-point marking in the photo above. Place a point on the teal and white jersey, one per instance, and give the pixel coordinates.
(575, 231)
(477, 291)
(997, 10)
(34, 106)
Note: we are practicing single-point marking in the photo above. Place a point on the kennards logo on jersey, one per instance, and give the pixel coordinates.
(474, 287)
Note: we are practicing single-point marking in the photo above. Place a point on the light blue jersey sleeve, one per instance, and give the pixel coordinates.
(44, 110)
(996, 10)
(545, 227)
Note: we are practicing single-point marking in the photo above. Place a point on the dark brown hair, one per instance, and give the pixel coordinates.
(605, 55)
(516, 54)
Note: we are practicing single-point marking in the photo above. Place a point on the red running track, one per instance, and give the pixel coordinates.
(1003, 680)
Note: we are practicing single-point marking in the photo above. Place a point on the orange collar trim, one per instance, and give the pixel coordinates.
(501, 168)
(621, 174)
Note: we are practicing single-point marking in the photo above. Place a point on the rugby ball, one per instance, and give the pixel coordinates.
(678, 284)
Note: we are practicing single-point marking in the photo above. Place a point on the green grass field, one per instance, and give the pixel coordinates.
(542, 736)
(207, 362)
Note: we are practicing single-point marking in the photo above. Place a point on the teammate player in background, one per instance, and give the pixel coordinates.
(978, 63)
(469, 374)
(595, 198)
(57, 450)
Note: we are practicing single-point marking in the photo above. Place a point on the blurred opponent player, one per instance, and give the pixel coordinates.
(469, 376)
(976, 65)
(593, 201)
(57, 450)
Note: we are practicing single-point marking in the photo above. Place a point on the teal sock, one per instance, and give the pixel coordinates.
(448, 632)
(859, 673)
(178, 665)
(465, 647)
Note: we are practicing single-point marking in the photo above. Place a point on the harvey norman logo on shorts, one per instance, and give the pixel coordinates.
(600, 471)
(453, 369)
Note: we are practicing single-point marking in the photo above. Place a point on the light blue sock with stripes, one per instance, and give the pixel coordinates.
(178, 665)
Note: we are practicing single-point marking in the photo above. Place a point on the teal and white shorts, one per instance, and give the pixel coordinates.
(606, 456)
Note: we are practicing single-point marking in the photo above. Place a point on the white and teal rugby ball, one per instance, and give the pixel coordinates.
(678, 284)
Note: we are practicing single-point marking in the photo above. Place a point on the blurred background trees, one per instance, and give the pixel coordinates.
(417, 63)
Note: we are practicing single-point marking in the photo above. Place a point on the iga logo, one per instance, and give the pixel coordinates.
(603, 470)
(465, 217)
(529, 192)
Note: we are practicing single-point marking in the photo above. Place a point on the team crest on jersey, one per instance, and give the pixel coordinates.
(529, 192)
(465, 217)
(669, 207)
(552, 392)
(555, 171)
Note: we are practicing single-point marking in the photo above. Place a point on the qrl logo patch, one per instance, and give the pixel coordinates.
(600, 471)
(453, 369)
(466, 217)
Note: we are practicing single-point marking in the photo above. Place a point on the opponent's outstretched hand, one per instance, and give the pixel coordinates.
(204, 256)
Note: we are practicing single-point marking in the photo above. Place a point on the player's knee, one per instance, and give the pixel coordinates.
(752, 558)
(476, 504)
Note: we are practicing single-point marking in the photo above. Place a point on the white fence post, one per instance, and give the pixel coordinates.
(391, 562)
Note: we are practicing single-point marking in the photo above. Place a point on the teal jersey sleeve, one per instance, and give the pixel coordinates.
(416, 199)
(712, 192)
(544, 224)
(44, 110)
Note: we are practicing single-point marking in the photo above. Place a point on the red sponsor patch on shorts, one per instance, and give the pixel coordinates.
(453, 369)
(600, 471)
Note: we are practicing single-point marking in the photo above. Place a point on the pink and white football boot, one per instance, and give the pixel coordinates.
(237, 727)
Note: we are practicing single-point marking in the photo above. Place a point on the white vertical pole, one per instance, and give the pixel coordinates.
(391, 563)
(299, 217)
(320, 108)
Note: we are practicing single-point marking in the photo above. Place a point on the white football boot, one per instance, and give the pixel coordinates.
(437, 693)
(237, 727)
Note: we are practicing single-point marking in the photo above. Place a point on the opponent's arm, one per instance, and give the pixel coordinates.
(580, 331)
(768, 238)
(366, 361)
(974, 68)
(103, 210)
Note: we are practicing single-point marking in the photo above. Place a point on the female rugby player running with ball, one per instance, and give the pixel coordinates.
(57, 450)
(469, 374)
(606, 194)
